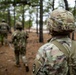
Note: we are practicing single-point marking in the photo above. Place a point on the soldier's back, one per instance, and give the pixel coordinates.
(19, 38)
(3, 27)
(51, 60)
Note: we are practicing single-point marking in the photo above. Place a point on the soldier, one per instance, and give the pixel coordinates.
(19, 40)
(58, 56)
(4, 30)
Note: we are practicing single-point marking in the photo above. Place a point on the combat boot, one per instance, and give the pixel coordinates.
(26, 68)
(17, 65)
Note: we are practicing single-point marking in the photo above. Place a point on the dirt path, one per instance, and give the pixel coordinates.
(7, 59)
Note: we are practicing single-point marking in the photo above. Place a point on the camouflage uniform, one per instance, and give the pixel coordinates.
(19, 39)
(50, 60)
(4, 30)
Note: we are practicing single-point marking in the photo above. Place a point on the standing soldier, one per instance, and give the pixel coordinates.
(4, 30)
(58, 56)
(19, 39)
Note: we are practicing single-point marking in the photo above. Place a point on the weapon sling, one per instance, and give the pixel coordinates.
(69, 55)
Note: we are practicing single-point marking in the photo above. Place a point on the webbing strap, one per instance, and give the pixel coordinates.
(61, 47)
(73, 49)
(64, 50)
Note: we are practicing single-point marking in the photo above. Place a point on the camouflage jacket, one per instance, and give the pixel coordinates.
(50, 60)
(19, 39)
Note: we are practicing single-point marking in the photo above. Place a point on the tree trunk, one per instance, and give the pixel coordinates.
(9, 18)
(41, 22)
(23, 16)
(14, 18)
(66, 5)
(37, 20)
(53, 4)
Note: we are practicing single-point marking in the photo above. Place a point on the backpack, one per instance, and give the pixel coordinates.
(3, 29)
(71, 56)
(19, 40)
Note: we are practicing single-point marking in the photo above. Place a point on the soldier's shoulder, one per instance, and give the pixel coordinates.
(46, 46)
(24, 32)
(14, 33)
(3, 23)
(49, 47)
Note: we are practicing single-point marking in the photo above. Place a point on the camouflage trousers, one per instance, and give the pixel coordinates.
(3, 38)
(20, 53)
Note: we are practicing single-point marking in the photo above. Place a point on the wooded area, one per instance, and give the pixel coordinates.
(13, 10)
(29, 12)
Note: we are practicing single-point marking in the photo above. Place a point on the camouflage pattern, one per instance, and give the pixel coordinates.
(19, 39)
(5, 26)
(61, 21)
(4, 30)
(18, 25)
(50, 60)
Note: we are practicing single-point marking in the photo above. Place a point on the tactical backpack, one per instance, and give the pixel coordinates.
(3, 29)
(19, 40)
(70, 54)
(71, 59)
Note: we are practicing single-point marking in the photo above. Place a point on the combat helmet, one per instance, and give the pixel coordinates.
(61, 21)
(18, 25)
(3, 20)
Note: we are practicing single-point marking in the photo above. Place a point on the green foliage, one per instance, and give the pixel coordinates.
(74, 12)
(3, 15)
(12, 21)
(34, 1)
(28, 24)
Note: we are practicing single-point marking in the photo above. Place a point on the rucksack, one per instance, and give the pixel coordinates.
(71, 56)
(3, 29)
(19, 40)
